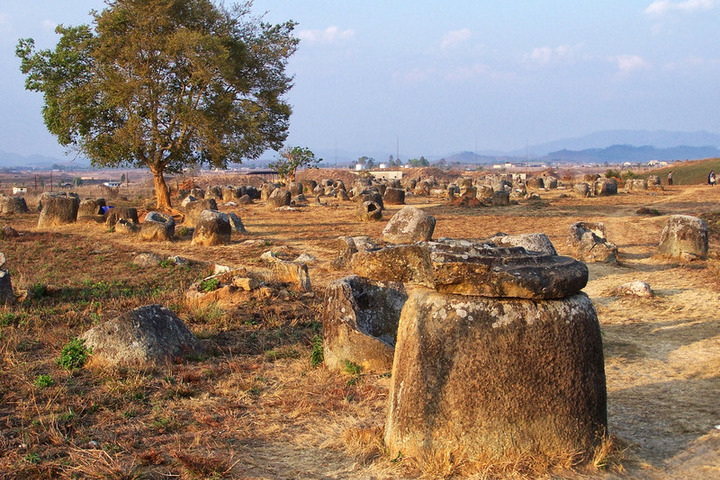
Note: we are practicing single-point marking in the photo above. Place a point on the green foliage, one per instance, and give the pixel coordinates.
(610, 173)
(32, 458)
(165, 84)
(317, 356)
(419, 162)
(209, 284)
(37, 290)
(291, 159)
(43, 381)
(628, 174)
(74, 354)
(351, 368)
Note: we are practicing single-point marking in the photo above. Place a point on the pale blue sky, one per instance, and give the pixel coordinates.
(445, 76)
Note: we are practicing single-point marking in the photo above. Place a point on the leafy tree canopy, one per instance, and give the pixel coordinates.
(291, 159)
(165, 84)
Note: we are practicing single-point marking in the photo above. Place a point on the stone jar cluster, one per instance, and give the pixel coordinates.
(497, 354)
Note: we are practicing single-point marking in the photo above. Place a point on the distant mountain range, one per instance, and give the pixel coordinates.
(611, 146)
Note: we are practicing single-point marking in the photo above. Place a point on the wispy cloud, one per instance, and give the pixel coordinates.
(49, 25)
(455, 37)
(329, 35)
(628, 64)
(547, 55)
(662, 7)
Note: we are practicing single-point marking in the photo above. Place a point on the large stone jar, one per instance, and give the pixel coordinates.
(491, 377)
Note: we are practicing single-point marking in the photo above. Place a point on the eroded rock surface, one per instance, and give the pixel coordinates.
(474, 268)
(409, 225)
(360, 323)
(146, 335)
(493, 378)
(684, 237)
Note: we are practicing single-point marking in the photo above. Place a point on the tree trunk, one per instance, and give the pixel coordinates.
(162, 194)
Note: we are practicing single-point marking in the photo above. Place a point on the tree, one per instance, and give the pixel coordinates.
(165, 84)
(290, 160)
(418, 162)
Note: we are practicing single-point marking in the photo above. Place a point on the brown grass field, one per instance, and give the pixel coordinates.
(255, 408)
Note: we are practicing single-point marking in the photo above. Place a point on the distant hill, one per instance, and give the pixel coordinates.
(604, 139)
(14, 160)
(688, 173)
(476, 159)
(629, 153)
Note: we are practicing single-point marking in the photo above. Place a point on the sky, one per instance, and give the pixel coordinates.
(437, 77)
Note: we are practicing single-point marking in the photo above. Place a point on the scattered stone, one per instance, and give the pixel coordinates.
(360, 323)
(590, 244)
(58, 209)
(178, 260)
(212, 228)
(684, 237)
(305, 258)
(193, 211)
(582, 188)
(245, 283)
(15, 204)
(269, 257)
(157, 227)
(122, 213)
(146, 260)
(500, 198)
(125, 227)
(91, 209)
(236, 223)
(347, 246)
(279, 197)
(369, 211)
(220, 269)
(293, 273)
(496, 378)
(7, 296)
(633, 289)
(3, 260)
(409, 225)
(532, 242)
(151, 334)
(606, 186)
(394, 196)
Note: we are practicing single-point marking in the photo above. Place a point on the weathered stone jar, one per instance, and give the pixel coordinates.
(491, 376)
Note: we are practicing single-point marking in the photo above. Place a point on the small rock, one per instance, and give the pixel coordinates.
(245, 283)
(305, 258)
(147, 260)
(269, 257)
(634, 289)
(218, 269)
(178, 260)
(3, 260)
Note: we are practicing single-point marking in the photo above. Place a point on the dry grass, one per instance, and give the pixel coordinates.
(255, 407)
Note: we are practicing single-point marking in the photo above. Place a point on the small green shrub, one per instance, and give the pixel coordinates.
(43, 381)
(209, 284)
(32, 458)
(74, 354)
(610, 173)
(351, 368)
(7, 319)
(317, 356)
(37, 290)
(183, 231)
